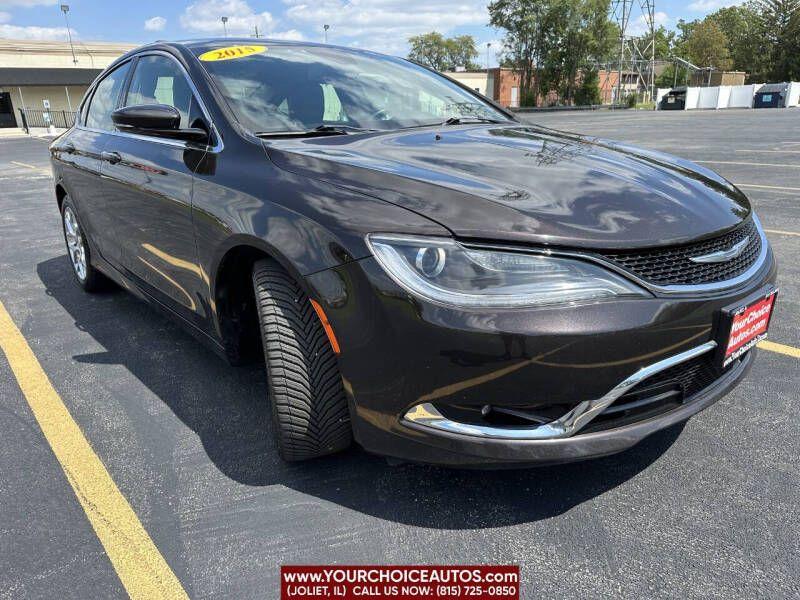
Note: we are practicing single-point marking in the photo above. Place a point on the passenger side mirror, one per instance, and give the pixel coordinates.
(159, 120)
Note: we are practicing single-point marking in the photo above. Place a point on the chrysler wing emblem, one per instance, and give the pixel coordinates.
(722, 255)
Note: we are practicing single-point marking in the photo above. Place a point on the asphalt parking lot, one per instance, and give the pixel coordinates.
(705, 509)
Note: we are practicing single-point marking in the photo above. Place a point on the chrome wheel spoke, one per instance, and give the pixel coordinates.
(75, 247)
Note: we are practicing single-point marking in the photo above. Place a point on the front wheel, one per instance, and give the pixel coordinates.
(309, 407)
(89, 278)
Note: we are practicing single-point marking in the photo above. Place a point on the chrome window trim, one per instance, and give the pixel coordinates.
(217, 147)
(426, 415)
(702, 288)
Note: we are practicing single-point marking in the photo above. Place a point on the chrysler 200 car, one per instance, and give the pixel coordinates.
(420, 272)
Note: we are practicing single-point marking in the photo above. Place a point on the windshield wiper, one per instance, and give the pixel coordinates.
(341, 128)
(469, 119)
(316, 131)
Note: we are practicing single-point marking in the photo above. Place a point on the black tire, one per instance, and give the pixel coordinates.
(91, 280)
(309, 407)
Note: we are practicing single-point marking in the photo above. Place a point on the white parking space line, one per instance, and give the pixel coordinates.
(748, 164)
(41, 170)
(22, 164)
(767, 187)
(769, 151)
(782, 232)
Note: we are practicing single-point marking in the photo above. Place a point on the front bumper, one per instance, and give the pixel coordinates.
(399, 353)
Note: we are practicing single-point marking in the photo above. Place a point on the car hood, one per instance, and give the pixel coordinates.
(525, 184)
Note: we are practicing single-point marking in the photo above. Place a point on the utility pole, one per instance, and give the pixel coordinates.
(625, 7)
(325, 28)
(65, 10)
(224, 25)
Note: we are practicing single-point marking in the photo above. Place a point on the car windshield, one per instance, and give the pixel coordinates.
(274, 89)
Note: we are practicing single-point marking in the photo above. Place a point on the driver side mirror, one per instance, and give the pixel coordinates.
(159, 120)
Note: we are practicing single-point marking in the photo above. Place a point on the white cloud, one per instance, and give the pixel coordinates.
(18, 32)
(383, 25)
(711, 5)
(291, 34)
(35, 33)
(204, 16)
(26, 3)
(155, 24)
(640, 27)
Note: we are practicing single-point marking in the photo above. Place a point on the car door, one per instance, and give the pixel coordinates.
(80, 152)
(148, 186)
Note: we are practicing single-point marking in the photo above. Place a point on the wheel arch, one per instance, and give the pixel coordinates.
(231, 290)
(61, 193)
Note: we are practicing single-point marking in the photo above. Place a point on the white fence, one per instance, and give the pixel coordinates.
(728, 96)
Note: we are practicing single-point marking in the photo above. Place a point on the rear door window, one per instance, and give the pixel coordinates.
(105, 98)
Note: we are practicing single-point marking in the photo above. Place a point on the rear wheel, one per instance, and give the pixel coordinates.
(309, 407)
(89, 278)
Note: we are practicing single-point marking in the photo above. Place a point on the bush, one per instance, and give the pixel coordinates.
(589, 91)
(630, 101)
(528, 99)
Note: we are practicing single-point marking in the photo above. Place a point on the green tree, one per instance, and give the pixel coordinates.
(780, 22)
(525, 23)
(462, 52)
(551, 42)
(743, 27)
(664, 43)
(441, 53)
(589, 90)
(429, 49)
(707, 45)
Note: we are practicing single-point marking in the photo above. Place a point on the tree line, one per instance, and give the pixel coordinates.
(557, 45)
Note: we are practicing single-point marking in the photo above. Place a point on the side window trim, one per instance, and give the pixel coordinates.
(87, 104)
(218, 145)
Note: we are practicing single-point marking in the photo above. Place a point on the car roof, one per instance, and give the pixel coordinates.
(198, 44)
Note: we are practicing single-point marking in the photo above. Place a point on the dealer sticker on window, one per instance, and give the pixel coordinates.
(748, 325)
(231, 52)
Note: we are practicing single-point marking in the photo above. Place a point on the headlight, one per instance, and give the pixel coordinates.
(443, 271)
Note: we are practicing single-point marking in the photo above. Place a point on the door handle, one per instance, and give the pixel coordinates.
(112, 157)
(69, 148)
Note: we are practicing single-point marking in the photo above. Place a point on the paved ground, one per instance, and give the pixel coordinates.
(708, 509)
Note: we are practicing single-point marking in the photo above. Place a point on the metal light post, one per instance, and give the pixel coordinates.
(325, 28)
(488, 45)
(65, 10)
(224, 25)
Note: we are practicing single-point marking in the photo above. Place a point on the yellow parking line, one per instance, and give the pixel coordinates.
(750, 164)
(137, 561)
(779, 348)
(781, 232)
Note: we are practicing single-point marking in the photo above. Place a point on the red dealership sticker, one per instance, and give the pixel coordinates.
(748, 326)
(305, 582)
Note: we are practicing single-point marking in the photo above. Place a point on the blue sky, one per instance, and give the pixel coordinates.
(382, 25)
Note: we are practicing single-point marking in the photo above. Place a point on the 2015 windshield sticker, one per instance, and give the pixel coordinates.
(231, 52)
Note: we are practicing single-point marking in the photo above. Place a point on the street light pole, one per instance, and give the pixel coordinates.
(224, 25)
(65, 10)
(488, 45)
(326, 27)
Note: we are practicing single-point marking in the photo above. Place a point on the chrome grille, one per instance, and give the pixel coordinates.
(671, 265)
